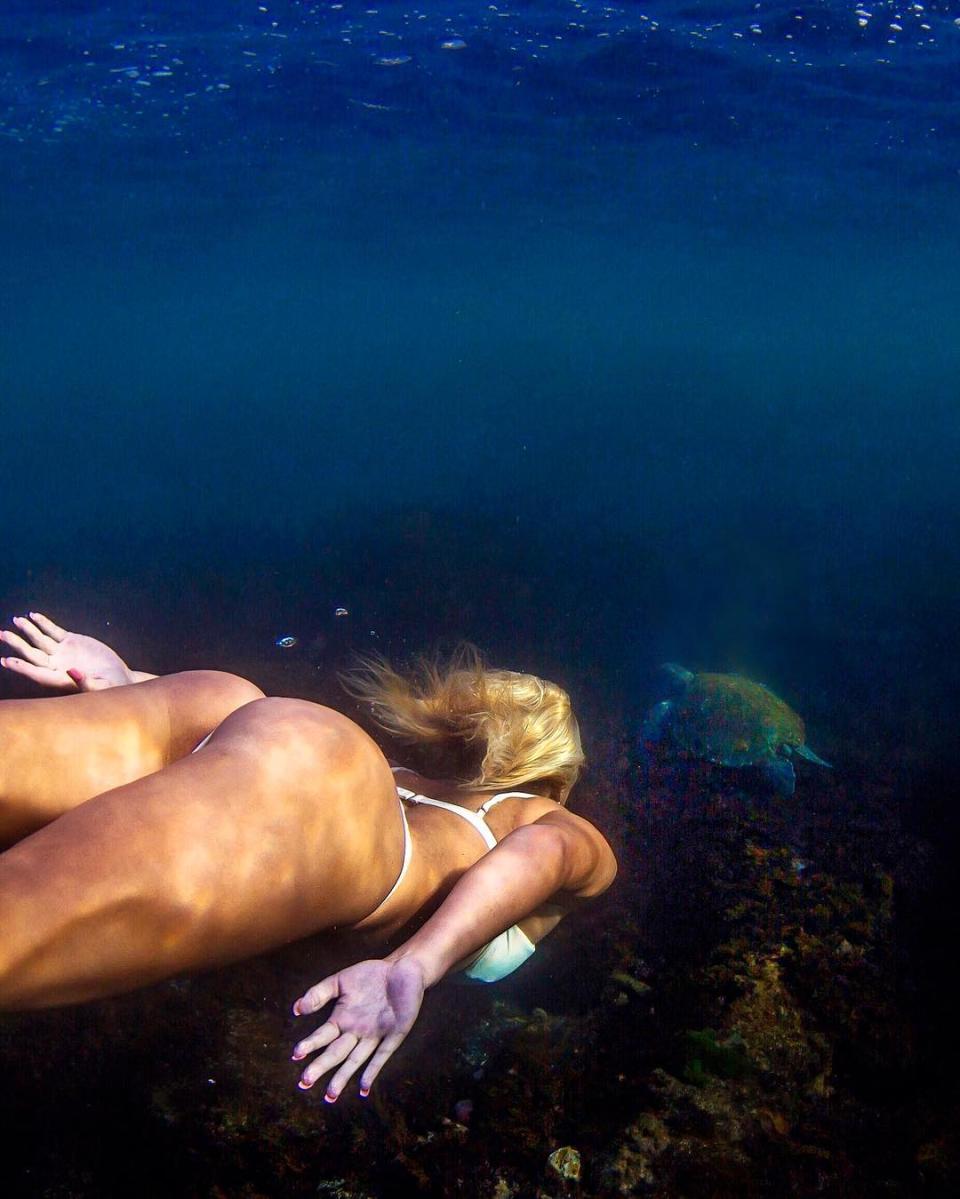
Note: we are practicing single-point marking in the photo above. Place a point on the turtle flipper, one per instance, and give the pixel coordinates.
(780, 774)
(803, 752)
(655, 725)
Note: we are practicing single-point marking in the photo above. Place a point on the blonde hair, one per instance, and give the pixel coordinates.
(520, 728)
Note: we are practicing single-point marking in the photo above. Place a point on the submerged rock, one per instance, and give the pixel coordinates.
(565, 1162)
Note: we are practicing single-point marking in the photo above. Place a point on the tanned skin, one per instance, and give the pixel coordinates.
(132, 859)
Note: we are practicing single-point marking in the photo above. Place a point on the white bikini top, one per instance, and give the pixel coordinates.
(477, 819)
(511, 948)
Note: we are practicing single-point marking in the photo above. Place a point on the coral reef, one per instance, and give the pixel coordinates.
(744, 1015)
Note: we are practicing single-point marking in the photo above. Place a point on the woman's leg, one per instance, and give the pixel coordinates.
(284, 824)
(60, 751)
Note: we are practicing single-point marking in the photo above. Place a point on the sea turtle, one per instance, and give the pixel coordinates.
(732, 721)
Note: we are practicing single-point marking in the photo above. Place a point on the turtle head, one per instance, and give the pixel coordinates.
(679, 674)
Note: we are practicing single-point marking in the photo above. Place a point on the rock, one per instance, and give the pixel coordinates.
(565, 1162)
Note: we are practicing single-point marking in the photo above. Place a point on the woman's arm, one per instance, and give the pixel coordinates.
(559, 854)
(378, 1001)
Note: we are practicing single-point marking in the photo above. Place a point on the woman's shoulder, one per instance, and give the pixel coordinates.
(524, 807)
(503, 810)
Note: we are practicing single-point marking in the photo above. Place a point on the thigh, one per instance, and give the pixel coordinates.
(285, 823)
(60, 751)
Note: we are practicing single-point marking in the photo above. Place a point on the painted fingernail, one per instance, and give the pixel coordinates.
(364, 1092)
(296, 1008)
(304, 1086)
(296, 1056)
(329, 1098)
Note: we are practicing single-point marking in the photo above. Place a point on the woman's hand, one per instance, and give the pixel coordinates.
(377, 1003)
(65, 661)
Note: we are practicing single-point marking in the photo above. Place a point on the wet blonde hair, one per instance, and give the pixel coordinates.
(521, 729)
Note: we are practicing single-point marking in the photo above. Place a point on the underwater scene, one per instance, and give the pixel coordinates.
(618, 340)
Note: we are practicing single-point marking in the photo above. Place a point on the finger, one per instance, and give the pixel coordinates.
(23, 648)
(323, 1036)
(89, 682)
(29, 629)
(388, 1046)
(47, 625)
(353, 1063)
(332, 1056)
(39, 674)
(92, 682)
(317, 996)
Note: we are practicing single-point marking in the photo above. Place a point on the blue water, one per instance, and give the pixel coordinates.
(659, 301)
(600, 334)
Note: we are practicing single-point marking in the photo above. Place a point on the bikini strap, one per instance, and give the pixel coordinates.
(495, 799)
(404, 866)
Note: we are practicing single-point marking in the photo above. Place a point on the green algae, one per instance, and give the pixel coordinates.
(706, 1056)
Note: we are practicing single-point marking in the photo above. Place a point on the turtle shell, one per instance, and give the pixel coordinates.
(732, 721)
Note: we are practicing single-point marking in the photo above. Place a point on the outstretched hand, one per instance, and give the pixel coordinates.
(377, 1003)
(64, 661)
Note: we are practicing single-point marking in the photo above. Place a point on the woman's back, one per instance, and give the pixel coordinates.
(447, 838)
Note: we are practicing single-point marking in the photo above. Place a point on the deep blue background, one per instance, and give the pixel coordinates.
(621, 333)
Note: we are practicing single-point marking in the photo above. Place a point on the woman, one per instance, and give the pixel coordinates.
(184, 822)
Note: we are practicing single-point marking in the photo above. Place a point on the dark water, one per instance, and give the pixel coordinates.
(615, 334)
